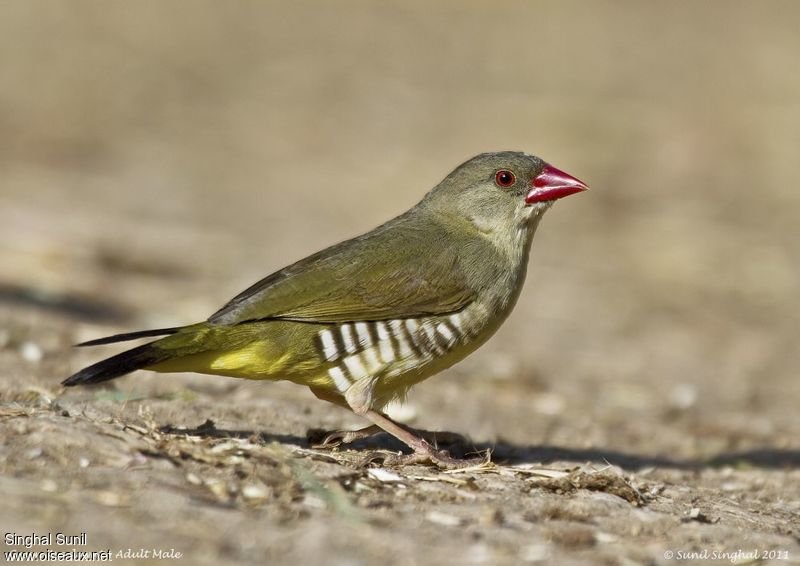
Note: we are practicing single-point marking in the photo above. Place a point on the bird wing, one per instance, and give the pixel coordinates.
(399, 270)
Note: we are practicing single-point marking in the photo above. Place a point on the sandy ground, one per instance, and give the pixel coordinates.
(641, 404)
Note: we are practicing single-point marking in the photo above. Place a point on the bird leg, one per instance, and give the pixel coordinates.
(423, 451)
(358, 398)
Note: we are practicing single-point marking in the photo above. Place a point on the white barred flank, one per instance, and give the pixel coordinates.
(364, 349)
(329, 349)
(347, 336)
(445, 331)
(397, 331)
(364, 338)
(412, 332)
(430, 335)
(455, 320)
(355, 367)
(339, 379)
(385, 343)
(371, 360)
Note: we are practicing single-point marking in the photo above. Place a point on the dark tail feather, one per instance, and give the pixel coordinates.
(119, 365)
(130, 336)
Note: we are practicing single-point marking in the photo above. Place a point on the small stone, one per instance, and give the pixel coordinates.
(227, 446)
(35, 453)
(194, 479)
(255, 491)
(384, 475)
(110, 498)
(605, 538)
(683, 396)
(696, 515)
(218, 488)
(31, 352)
(443, 519)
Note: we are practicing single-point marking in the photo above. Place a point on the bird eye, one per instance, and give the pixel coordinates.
(504, 178)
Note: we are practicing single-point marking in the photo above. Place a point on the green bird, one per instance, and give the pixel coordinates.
(362, 321)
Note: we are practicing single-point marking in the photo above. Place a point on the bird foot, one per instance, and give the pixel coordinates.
(319, 438)
(424, 444)
(428, 455)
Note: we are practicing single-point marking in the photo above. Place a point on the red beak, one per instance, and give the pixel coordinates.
(552, 184)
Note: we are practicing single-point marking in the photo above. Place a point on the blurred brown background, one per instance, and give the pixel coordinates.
(163, 156)
(158, 157)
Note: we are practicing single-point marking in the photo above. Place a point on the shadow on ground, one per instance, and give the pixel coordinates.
(511, 454)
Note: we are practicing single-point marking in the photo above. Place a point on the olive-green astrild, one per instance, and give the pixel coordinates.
(362, 321)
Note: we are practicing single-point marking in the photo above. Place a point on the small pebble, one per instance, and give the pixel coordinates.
(110, 498)
(384, 475)
(605, 538)
(218, 488)
(194, 479)
(254, 491)
(683, 396)
(443, 519)
(31, 352)
(35, 453)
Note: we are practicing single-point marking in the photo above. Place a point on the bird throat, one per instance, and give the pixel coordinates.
(514, 246)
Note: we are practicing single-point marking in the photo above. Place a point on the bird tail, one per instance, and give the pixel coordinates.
(130, 336)
(128, 361)
(119, 365)
(197, 347)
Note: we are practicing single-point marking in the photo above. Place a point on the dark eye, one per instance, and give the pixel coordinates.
(504, 178)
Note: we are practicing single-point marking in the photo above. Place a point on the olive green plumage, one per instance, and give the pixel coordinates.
(363, 320)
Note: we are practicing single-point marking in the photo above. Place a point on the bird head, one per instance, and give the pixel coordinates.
(504, 184)
(502, 191)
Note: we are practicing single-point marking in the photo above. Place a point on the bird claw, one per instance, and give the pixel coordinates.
(319, 438)
(439, 458)
(425, 446)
